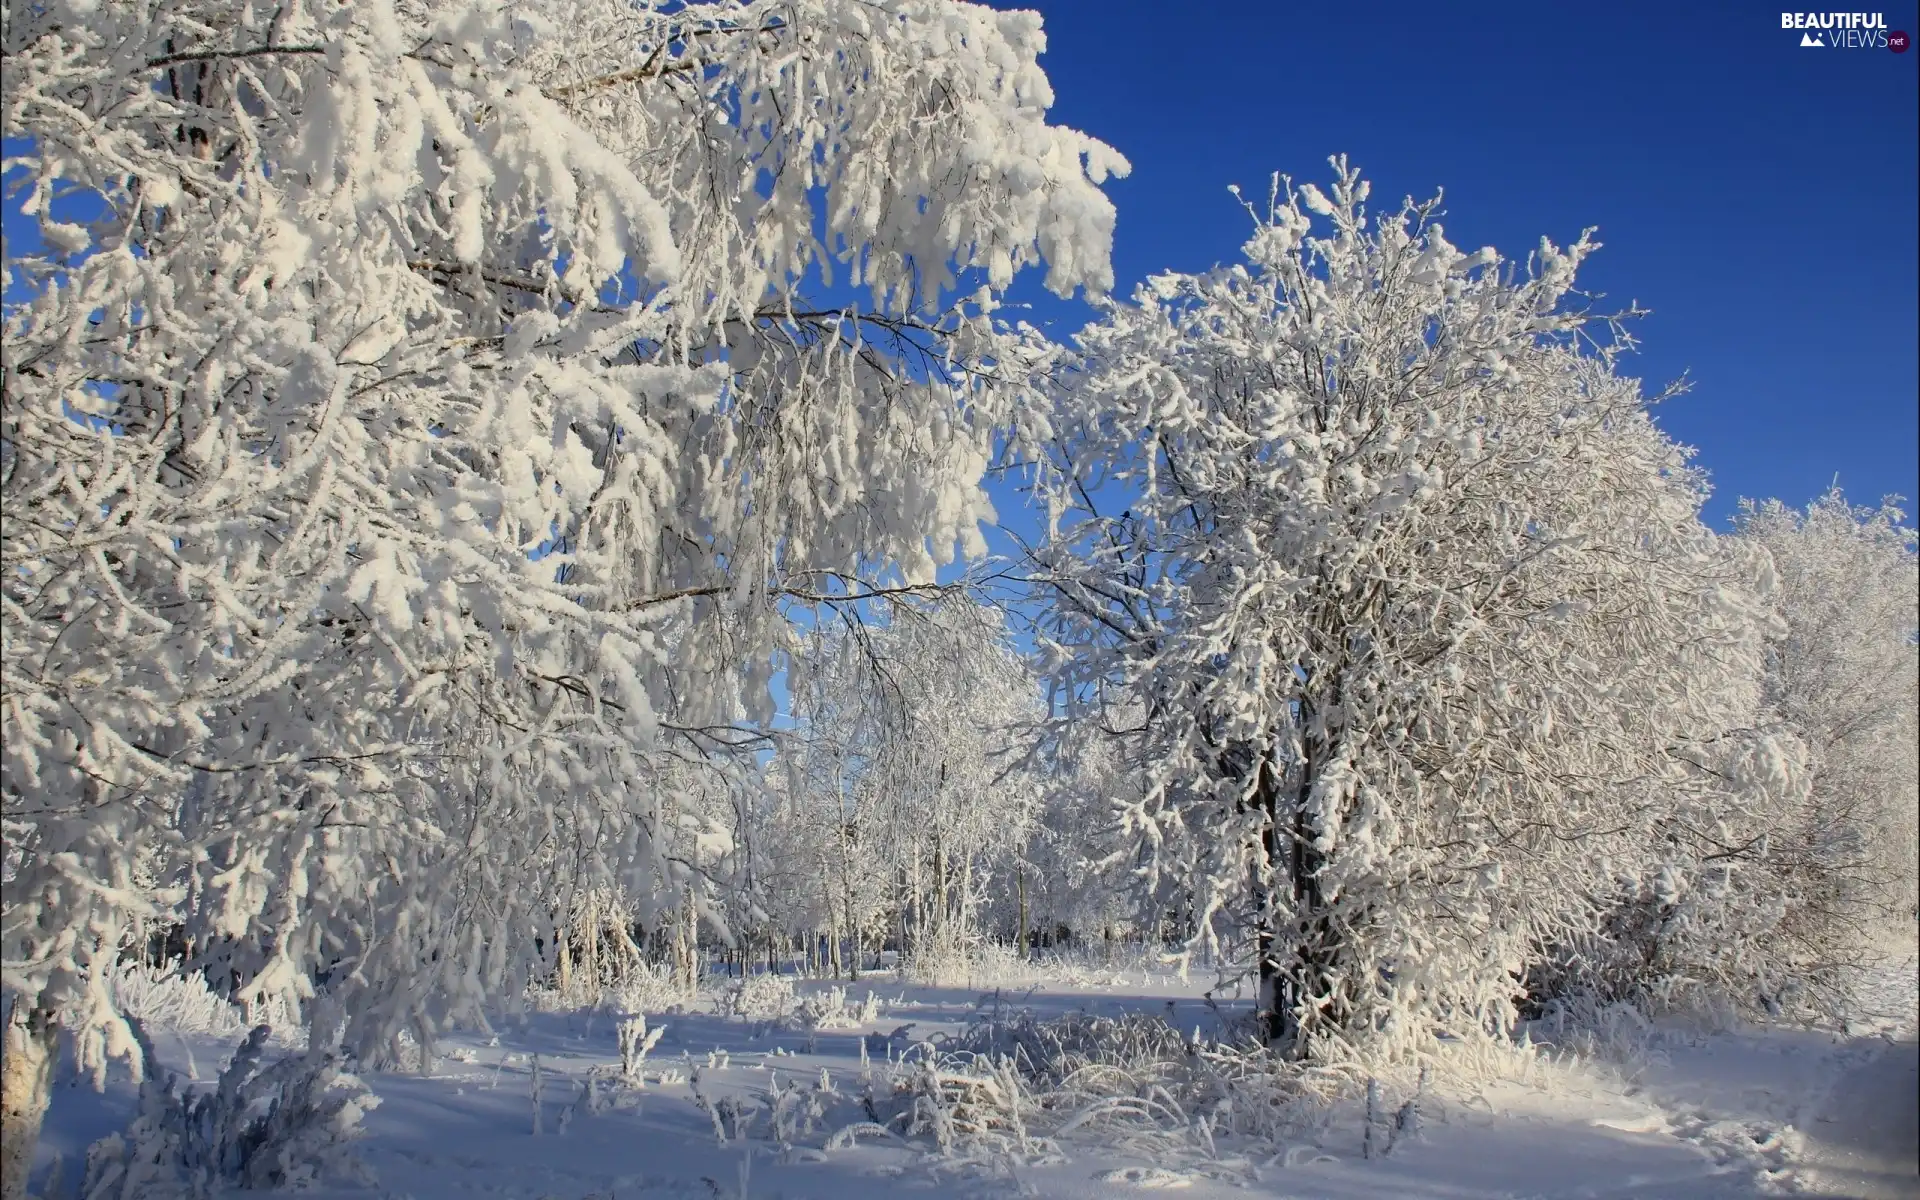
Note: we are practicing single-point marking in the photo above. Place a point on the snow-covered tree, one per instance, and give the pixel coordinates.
(1401, 606)
(1073, 872)
(912, 745)
(829, 803)
(1778, 917)
(427, 415)
(1846, 676)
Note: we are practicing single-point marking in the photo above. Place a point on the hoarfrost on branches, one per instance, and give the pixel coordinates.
(905, 796)
(1847, 678)
(1400, 606)
(425, 439)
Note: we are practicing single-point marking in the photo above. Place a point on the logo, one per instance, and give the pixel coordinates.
(1844, 31)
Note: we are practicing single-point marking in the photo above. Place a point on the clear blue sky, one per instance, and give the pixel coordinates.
(1759, 197)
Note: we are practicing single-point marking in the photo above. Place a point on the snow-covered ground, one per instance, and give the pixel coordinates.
(1692, 1114)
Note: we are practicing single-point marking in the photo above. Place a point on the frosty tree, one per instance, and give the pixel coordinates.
(1846, 675)
(431, 419)
(829, 807)
(911, 755)
(1805, 882)
(1401, 605)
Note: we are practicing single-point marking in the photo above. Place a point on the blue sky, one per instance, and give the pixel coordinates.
(1759, 197)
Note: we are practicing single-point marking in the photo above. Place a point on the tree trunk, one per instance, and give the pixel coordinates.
(1306, 992)
(939, 922)
(1020, 933)
(966, 894)
(327, 1023)
(32, 1044)
(1277, 1002)
(900, 914)
(850, 923)
(590, 950)
(686, 929)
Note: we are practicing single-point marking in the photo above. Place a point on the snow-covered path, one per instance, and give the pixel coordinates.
(1866, 1142)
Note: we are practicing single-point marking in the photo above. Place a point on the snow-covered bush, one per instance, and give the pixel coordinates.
(1843, 864)
(1789, 912)
(640, 987)
(285, 1125)
(1585, 1023)
(950, 956)
(796, 1110)
(1109, 964)
(948, 960)
(165, 997)
(1019, 1088)
(764, 997)
(831, 1009)
(1690, 937)
(645, 987)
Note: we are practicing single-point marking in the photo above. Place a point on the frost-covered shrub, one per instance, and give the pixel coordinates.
(1106, 962)
(553, 999)
(952, 960)
(951, 957)
(639, 987)
(795, 1110)
(164, 997)
(161, 997)
(1588, 1025)
(831, 1009)
(1779, 908)
(1017, 1088)
(285, 1125)
(768, 997)
(645, 987)
(1708, 941)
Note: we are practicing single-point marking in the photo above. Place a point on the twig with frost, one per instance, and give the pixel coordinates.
(636, 1041)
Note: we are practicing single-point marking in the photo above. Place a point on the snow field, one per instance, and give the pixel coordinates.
(772, 1089)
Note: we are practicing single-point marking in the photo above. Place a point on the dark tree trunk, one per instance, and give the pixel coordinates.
(1274, 1004)
(1307, 993)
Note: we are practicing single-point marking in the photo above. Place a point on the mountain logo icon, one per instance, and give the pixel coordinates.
(1812, 39)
